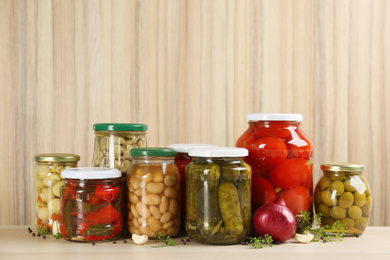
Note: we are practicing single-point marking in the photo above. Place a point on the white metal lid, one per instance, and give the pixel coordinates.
(184, 148)
(219, 152)
(93, 173)
(274, 117)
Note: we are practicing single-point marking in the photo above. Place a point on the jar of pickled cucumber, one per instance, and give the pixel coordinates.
(280, 154)
(343, 194)
(182, 159)
(91, 204)
(218, 192)
(153, 192)
(48, 183)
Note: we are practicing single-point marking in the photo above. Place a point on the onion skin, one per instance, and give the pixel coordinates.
(276, 220)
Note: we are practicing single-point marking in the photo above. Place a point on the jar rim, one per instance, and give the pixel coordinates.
(185, 148)
(342, 166)
(119, 127)
(57, 157)
(92, 173)
(274, 117)
(219, 152)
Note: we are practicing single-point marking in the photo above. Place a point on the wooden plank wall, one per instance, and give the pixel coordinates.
(191, 70)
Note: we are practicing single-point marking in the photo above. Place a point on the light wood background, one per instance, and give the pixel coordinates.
(191, 70)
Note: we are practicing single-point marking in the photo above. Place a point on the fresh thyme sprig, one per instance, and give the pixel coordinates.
(168, 241)
(258, 242)
(325, 233)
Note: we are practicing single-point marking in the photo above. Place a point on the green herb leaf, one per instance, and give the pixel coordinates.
(99, 230)
(168, 241)
(258, 242)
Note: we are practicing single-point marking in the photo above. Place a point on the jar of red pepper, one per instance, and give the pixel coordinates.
(182, 159)
(91, 204)
(280, 154)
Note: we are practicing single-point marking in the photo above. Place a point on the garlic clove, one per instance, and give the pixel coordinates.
(139, 239)
(304, 238)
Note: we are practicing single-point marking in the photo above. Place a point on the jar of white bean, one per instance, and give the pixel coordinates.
(153, 184)
(48, 184)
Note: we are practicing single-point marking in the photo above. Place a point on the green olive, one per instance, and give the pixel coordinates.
(340, 176)
(361, 223)
(360, 198)
(327, 222)
(348, 222)
(346, 200)
(328, 198)
(368, 192)
(338, 186)
(317, 195)
(338, 212)
(323, 209)
(350, 185)
(355, 212)
(325, 182)
(366, 210)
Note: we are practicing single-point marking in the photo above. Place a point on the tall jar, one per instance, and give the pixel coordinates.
(48, 183)
(280, 154)
(91, 204)
(343, 194)
(218, 191)
(182, 159)
(153, 192)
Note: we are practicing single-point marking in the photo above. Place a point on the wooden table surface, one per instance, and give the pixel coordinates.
(17, 243)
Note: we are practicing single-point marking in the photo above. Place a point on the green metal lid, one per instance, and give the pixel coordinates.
(342, 167)
(153, 151)
(57, 157)
(120, 127)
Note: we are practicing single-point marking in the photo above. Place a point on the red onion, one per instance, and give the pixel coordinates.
(276, 220)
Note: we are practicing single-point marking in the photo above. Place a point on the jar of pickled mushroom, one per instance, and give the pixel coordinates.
(343, 194)
(182, 160)
(280, 154)
(153, 192)
(91, 204)
(218, 192)
(48, 183)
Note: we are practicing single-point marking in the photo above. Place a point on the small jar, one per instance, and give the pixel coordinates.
(48, 183)
(153, 192)
(91, 204)
(218, 191)
(280, 154)
(343, 194)
(182, 160)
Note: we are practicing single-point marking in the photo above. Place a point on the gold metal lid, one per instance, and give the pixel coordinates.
(342, 167)
(57, 157)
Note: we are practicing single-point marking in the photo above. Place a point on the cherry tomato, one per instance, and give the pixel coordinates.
(299, 146)
(268, 151)
(290, 173)
(262, 192)
(297, 199)
(246, 139)
(260, 170)
(276, 130)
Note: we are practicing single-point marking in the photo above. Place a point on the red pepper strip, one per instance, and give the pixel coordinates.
(109, 193)
(93, 200)
(83, 227)
(105, 215)
(118, 228)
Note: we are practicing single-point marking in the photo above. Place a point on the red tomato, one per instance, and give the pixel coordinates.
(299, 146)
(268, 151)
(290, 173)
(262, 192)
(277, 130)
(297, 199)
(259, 170)
(246, 138)
(104, 192)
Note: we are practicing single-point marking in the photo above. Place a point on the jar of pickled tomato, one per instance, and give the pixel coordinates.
(280, 154)
(91, 204)
(342, 194)
(182, 159)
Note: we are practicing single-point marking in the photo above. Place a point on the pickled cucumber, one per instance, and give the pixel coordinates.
(230, 172)
(230, 207)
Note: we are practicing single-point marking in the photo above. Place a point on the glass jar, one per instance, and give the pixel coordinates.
(153, 192)
(91, 204)
(182, 160)
(48, 183)
(343, 194)
(218, 191)
(280, 154)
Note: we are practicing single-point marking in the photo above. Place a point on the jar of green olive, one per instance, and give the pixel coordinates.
(342, 194)
(218, 194)
(48, 183)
